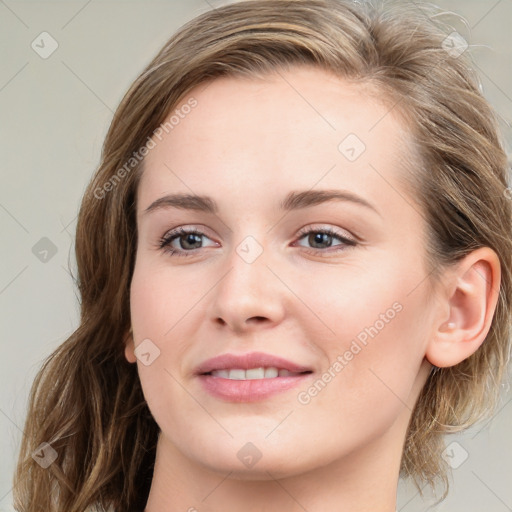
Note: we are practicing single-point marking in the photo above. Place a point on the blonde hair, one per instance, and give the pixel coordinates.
(87, 401)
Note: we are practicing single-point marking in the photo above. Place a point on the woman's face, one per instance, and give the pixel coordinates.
(278, 266)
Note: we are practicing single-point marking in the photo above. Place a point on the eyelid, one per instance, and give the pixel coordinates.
(347, 235)
(347, 239)
(175, 233)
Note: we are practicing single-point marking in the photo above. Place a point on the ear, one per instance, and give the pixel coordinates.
(129, 347)
(470, 302)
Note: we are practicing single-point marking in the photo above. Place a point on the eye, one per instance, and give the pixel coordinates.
(323, 239)
(184, 242)
(188, 241)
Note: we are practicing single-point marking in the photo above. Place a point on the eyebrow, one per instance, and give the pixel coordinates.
(293, 201)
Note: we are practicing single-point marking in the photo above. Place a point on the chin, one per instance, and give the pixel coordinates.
(259, 459)
(263, 470)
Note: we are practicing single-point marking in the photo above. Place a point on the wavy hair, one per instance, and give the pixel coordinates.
(86, 401)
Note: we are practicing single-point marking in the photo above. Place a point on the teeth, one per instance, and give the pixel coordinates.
(270, 373)
(236, 374)
(221, 373)
(252, 373)
(255, 373)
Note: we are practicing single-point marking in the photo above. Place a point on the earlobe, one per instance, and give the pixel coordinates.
(129, 347)
(471, 301)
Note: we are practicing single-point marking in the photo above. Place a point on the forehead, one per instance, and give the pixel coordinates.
(291, 129)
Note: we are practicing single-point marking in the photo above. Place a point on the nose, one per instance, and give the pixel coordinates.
(249, 295)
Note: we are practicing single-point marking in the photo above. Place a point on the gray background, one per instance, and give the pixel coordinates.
(55, 113)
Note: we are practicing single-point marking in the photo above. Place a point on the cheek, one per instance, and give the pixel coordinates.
(162, 310)
(366, 387)
(375, 341)
(145, 295)
(154, 312)
(351, 304)
(158, 301)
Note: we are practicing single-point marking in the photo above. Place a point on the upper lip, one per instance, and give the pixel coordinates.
(246, 361)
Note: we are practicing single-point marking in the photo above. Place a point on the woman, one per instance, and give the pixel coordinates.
(295, 250)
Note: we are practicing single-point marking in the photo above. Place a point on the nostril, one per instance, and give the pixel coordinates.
(258, 318)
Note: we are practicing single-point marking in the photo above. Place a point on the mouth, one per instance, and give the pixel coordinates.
(270, 372)
(249, 377)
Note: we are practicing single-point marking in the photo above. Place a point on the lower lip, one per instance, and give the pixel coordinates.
(249, 390)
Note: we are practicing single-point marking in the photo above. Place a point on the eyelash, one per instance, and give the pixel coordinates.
(166, 240)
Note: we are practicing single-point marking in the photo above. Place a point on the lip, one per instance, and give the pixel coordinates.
(246, 361)
(249, 390)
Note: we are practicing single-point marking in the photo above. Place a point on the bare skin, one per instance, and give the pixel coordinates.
(248, 144)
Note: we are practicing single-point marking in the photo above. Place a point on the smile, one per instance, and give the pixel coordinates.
(253, 373)
(250, 377)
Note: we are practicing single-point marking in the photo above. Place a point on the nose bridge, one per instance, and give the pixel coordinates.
(249, 292)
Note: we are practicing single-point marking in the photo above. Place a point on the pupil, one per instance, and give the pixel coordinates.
(192, 238)
(320, 238)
